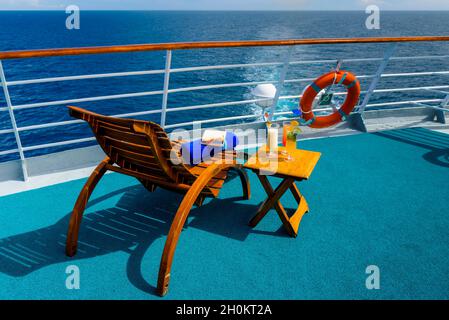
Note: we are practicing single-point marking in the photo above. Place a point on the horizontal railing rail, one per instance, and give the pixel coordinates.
(215, 67)
(166, 90)
(184, 89)
(208, 45)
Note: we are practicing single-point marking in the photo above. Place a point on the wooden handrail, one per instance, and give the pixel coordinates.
(202, 45)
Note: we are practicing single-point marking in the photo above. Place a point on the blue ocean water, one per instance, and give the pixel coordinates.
(46, 29)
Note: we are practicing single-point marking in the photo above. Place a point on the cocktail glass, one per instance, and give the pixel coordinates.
(291, 131)
(286, 126)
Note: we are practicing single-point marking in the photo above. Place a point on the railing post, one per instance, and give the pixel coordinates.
(380, 70)
(280, 84)
(356, 119)
(166, 87)
(439, 114)
(13, 122)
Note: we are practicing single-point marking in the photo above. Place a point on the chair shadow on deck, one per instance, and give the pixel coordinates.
(132, 225)
(436, 142)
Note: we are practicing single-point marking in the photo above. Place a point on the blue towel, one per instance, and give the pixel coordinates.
(195, 152)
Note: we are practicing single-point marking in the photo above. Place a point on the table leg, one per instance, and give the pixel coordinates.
(273, 200)
(295, 191)
(303, 207)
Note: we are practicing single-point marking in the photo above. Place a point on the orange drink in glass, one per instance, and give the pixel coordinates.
(291, 142)
(291, 131)
(286, 125)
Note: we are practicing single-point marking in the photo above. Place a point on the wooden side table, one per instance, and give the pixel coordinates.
(298, 169)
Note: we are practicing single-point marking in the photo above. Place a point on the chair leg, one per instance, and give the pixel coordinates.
(245, 182)
(80, 205)
(199, 201)
(178, 223)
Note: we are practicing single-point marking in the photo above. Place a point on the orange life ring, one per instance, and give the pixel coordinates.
(340, 77)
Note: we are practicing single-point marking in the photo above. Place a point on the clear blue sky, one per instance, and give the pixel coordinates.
(225, 4)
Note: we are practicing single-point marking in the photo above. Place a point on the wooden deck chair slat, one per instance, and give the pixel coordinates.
(144, 158)
(155, 172)
(123, 136)
(140, 174)
(122, 159)
(144, 150)
(122, 127)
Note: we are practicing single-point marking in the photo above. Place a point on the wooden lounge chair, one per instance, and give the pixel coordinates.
(142, 149)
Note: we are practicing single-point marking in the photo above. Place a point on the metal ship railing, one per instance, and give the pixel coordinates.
(356, 120)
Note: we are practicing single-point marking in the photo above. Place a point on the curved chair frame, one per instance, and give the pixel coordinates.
(180, 219)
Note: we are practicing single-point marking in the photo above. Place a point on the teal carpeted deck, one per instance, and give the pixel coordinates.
(379, 199)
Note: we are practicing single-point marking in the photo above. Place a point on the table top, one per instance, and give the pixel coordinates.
(300, 167)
